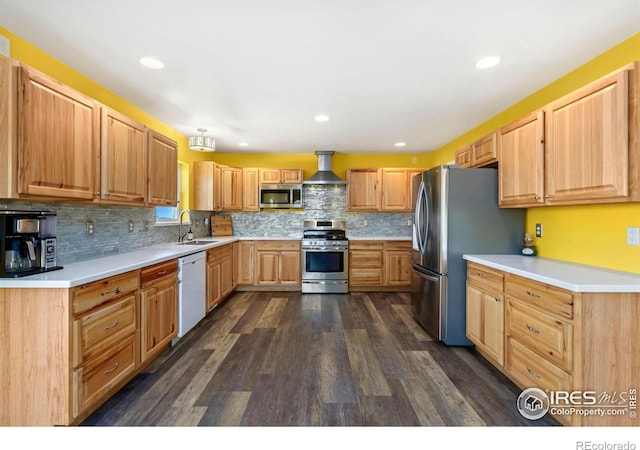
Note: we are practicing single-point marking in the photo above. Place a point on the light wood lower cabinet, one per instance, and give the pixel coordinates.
(277, 263)
(219, 275)
(244, 262)
(159, 308)
(375, 265)
(559, 340)
(485, 312)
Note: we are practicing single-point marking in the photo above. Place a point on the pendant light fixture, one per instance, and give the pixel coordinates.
(202, 143)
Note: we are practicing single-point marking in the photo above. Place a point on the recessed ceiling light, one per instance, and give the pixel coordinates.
(400, 144)
(487, 62)
(151, 63)
(322, 118)
(243, 144)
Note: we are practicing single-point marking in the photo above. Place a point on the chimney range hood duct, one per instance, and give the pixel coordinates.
(324, 175)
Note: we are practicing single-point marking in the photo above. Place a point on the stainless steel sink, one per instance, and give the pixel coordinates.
(196, 242)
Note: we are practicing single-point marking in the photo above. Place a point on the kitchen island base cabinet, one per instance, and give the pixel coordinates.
(561, 340)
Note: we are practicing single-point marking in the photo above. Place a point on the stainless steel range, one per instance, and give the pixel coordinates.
(325, 257)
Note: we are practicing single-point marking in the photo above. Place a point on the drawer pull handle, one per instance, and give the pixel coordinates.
(113, 369)
(113, 325)
(115, 290)
(533, 294)
(531, 372)
(481, 275)
(162, 272)
(533, 330)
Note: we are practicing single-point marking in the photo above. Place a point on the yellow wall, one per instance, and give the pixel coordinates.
(595, 234)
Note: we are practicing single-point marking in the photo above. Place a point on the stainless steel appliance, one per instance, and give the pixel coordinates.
(325, 257)
(456, 212)
(280, 196)
(27, 243)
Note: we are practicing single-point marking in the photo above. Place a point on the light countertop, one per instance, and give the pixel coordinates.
(378, 238)
(566, 275)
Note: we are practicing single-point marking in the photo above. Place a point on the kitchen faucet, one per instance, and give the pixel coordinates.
(180, 235)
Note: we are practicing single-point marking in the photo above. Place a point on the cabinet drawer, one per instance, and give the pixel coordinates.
(365, 245)
(485, 276)
(218, 253)
(366, 277)
(277, 245)
(529, 370)
(97, 377)
(551, 299)
(154, 273)
(397, 245)
(96, 331)
(545, 335)
(90, 295)
(362, 258)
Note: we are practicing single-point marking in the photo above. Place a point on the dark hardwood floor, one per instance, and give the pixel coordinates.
(291, 359)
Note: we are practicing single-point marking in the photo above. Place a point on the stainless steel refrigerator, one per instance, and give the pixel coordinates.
(456, 213)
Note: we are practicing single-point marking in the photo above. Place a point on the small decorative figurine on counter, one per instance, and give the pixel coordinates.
(529, 249)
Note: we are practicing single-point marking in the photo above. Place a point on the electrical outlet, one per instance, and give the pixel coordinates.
(414, 160)
(365, 223)
(408, 222)
(539, 230)
(90, 227)
(145, 225)
(130, 226)
(5, 46)
(633, 236)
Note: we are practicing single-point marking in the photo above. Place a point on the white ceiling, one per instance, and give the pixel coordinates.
(383, 70)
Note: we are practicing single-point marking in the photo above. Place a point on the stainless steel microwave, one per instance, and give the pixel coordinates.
(280, 196)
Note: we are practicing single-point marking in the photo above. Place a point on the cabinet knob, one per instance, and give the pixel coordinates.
(547, 196)
(96, 193)
(538, 198)
(498, 299)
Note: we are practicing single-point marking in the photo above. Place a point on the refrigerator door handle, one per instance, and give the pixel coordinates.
(421, 218)
(425, 274)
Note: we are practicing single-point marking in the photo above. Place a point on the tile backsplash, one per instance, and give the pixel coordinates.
(112, 236)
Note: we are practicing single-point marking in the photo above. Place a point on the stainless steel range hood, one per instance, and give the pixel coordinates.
(324, 175)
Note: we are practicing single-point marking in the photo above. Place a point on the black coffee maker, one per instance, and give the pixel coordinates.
(27, 243)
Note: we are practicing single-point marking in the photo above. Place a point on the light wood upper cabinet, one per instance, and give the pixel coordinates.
(590, 143)
(363, 189)
(123, 158)
(521, 168)
(207, 186)
(387, 189)
(275, 176)
(163, 170)
(394, 190)
(250, 189)
(587, 143)
(231, 189)
(57, 137)
(481, 153)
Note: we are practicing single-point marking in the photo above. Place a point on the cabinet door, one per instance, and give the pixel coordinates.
(521, 168)
(163, 170)
(214, 292)
(266, 267)
(231, 189)
(397, 268)
(493, 327)
(363, 189)
(269, 176)
(484, 151)
(394, 190)
(123, 158)
(293, 176)
(250, 194)
(245, 262)
(289, 267)
(206, 182)
(159, 316)
(463, 157)
(226, 276)
(587, 143)
(474, 314)
(58, 139)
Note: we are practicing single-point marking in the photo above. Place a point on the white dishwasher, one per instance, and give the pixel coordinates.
(191, 291)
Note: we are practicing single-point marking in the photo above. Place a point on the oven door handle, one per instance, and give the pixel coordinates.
(337, 249)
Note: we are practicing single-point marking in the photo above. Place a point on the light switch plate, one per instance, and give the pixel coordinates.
(633, 236)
